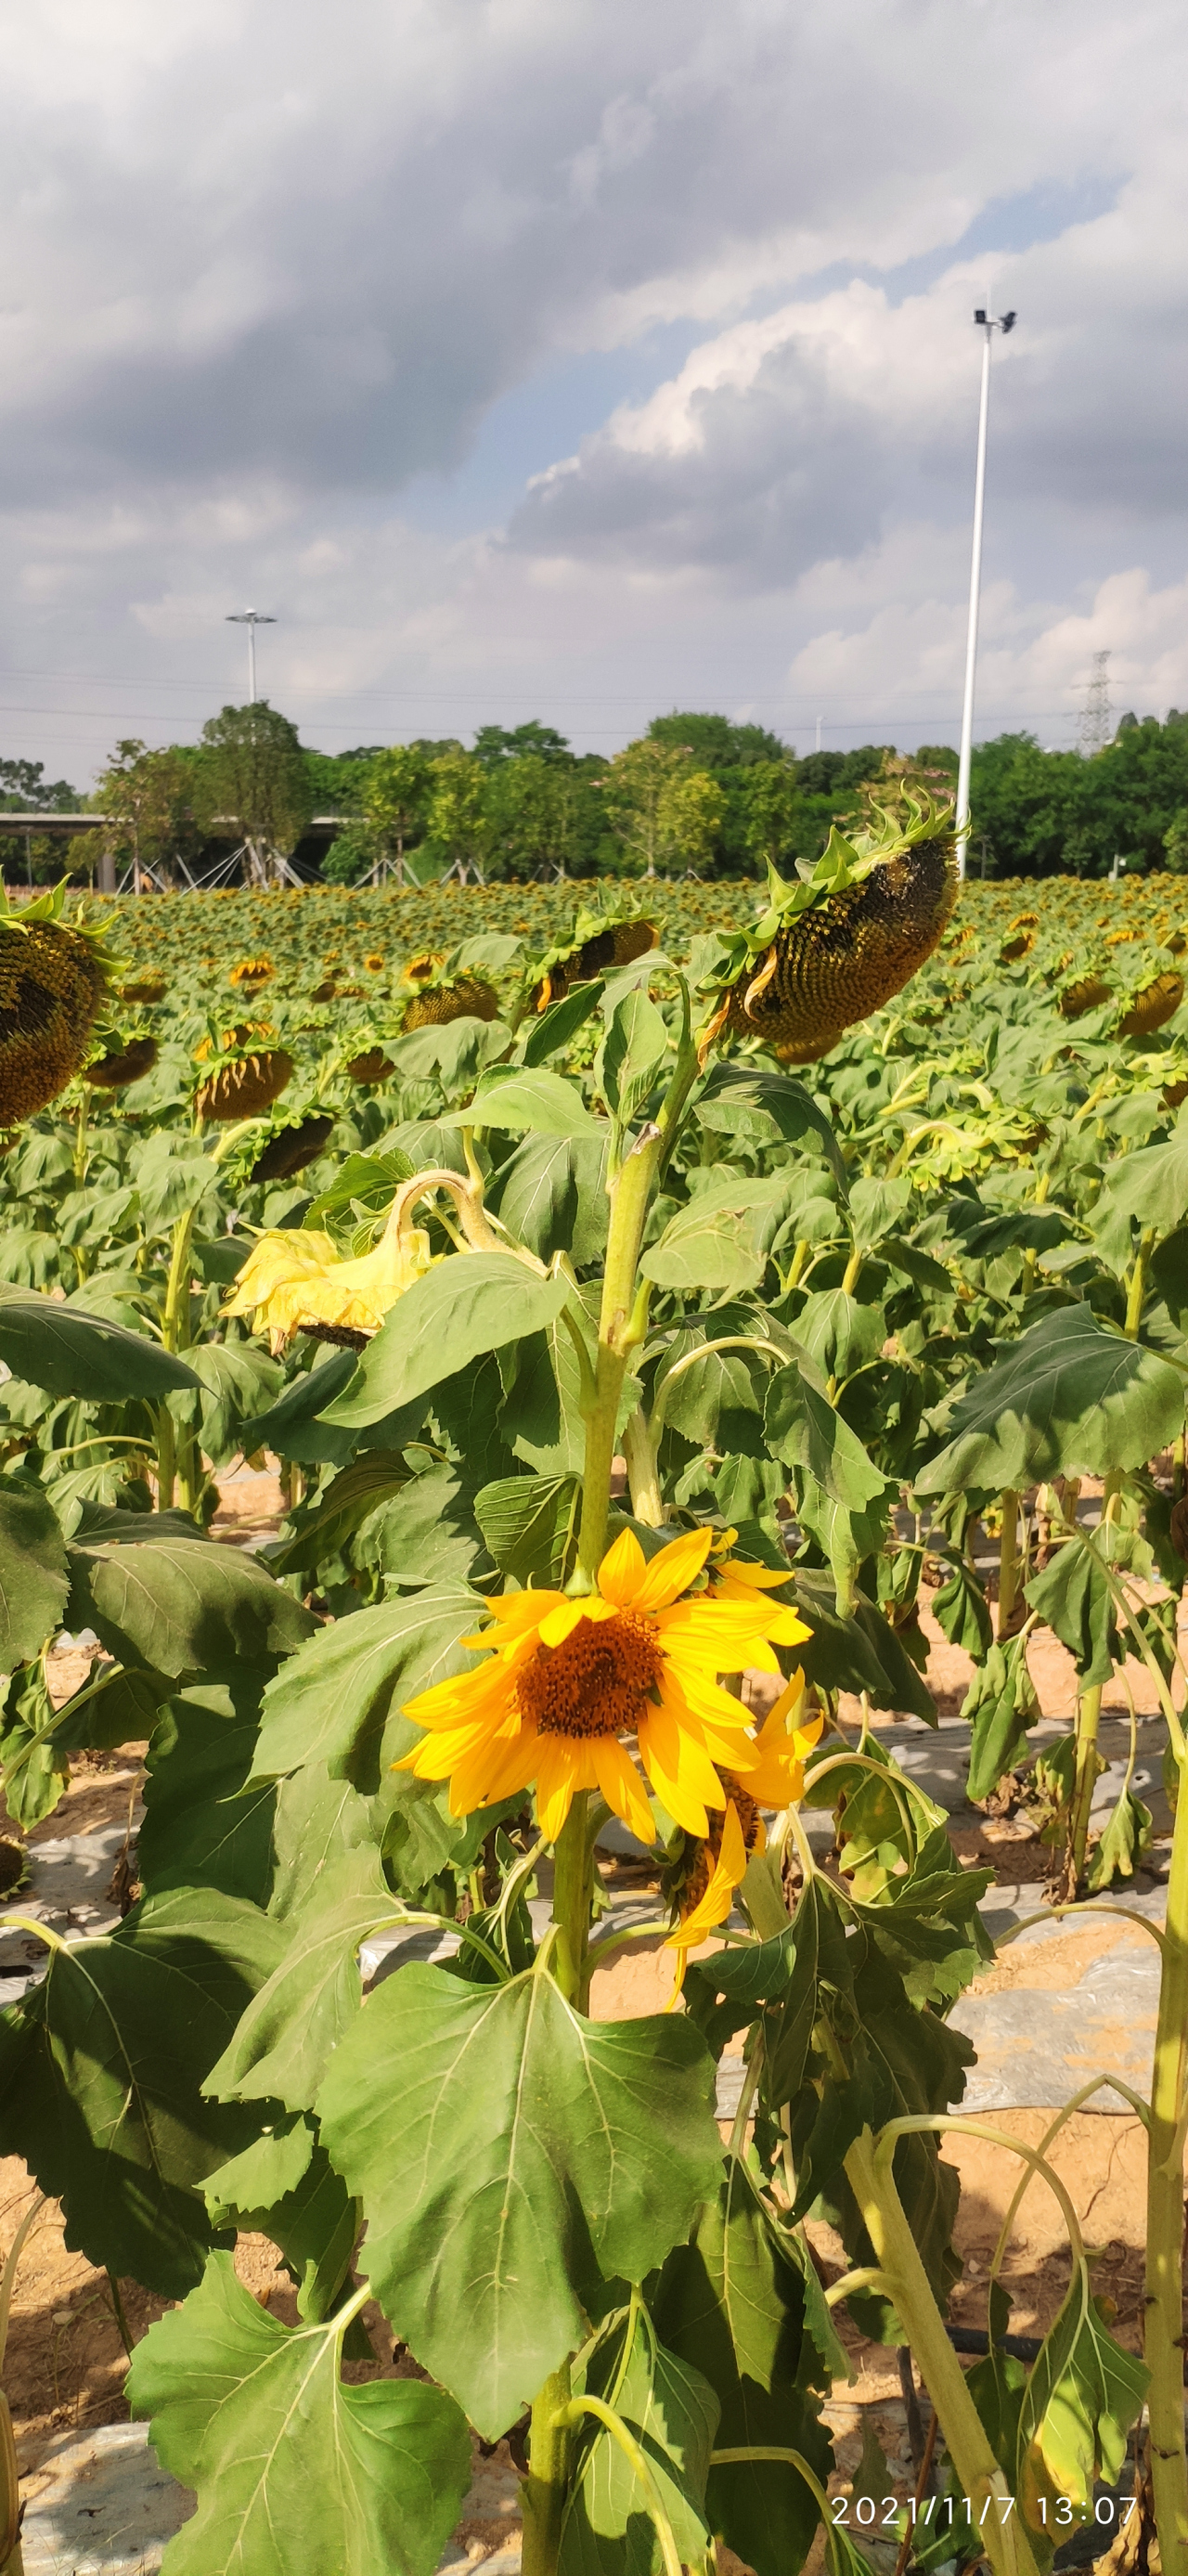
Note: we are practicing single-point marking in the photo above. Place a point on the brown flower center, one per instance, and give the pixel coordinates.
(597, 1682)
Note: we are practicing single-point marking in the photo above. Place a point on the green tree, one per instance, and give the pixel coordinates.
(148, 800)
(531, 807)
(665, 813)
(252, 779)
(715, 741)
(771, 806)
(493, 744)
(399, 782)
(457, 820)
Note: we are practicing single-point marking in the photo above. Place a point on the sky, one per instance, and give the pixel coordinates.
(581, 359)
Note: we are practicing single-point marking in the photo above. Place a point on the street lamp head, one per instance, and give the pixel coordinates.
(1007, 323)
(980, 313)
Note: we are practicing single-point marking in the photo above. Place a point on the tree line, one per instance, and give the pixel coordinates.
(696, 795)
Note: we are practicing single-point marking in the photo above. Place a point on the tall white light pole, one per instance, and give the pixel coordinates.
(988, 324)
(251, 618)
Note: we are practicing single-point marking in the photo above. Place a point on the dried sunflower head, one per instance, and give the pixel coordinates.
(600, 939)
(245, 1087)
(1087, 994)
(372, 1066)
(148, 987)
(832, 948)
(122, 1065)
(53, 981)
(291, 1149)
(1152, 1006)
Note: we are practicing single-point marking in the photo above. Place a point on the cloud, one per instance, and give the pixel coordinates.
(273, 279)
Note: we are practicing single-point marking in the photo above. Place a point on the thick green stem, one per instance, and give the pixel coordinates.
(166, 1455)
(1163, 2320)
(898, 2254)
(643, 1477)
(1136, 1295)
(175, 1320)
(550, 2450)
(573, 1867)
(1008, 1561)
(1088, 1766)
(630, 1196)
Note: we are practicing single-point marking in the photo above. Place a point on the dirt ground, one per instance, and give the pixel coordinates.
(66, 2355)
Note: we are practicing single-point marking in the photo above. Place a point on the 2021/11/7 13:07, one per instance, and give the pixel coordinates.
(947, 2509)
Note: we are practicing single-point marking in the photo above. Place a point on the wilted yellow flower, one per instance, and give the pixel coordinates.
(295, 1283)
(776, 1780)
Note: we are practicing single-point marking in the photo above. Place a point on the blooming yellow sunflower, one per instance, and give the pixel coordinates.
(565, 1681)
(777, 1780)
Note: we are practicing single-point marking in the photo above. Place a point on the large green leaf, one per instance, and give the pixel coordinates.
(204, 1826)
(295, 2474)
(1150, 1187)
(530, 1525)
(513, 1097)
(1000, 1704)
(804, 1429)
(184, 1605)
(293, 1426)
(528, 2138)
(339, 1511)
(857, 1650)
(721, 1239)
(551, 1195)
(284, 2186)
(1072, 1398)
(1081, 2398)
(732, 2302)
(472, 1303)
(332, 1700)
(101, 2067)
(632, 1055)
(422, 1535)
(70, 1353)
(763, 1107)
(672, 2413)
(236, 1380)
(281, 2046)
(317, 1822)
(33, 1576)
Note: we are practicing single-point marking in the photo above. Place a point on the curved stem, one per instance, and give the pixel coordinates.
(631, 2451)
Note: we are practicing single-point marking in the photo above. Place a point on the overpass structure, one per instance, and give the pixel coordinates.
(67, 827)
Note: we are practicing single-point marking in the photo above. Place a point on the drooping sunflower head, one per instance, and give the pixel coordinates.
(251, 973)
(146, 987)
(245, 1087)
(374, 961)
(599, 940)
(832, 948)
(294, 1282)
(53, 981)
(437, 1001)
(1155, 1003)
(1087, 994)
(122, 1065)
(371, 1066)
(569, 1684)
(291, 1149)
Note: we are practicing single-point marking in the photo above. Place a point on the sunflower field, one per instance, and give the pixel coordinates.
(633, 1302)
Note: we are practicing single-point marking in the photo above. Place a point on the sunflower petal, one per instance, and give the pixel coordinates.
(622, 1571)
(622, 1787)
(671, 1571)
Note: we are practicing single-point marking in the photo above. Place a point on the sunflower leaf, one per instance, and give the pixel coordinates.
(294, 2472)
(571, 2144)
(330, 1701)
(100, 2073)
(450, 1317)
(68, 1352)
(732, 2301)
(33, 1574)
